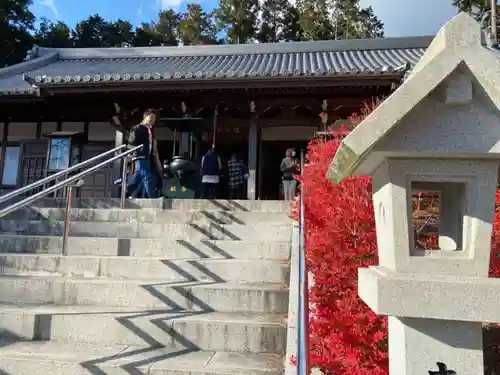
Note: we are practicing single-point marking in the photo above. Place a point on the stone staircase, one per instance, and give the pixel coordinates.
(162, 287)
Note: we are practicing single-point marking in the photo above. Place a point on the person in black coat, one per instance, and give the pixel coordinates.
(142, 179)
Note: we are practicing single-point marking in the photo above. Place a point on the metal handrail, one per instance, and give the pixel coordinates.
(55, 176)
(303, 366)
(69, 183)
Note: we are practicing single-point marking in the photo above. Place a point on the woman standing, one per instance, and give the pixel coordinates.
(289, 167)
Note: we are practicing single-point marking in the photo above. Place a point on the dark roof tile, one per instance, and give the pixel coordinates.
(330, 58)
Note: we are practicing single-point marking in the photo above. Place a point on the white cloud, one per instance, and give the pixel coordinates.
(52, 5)
(167, 4)
(140, 12)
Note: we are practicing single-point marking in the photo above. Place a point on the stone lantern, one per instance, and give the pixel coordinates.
(438, 132)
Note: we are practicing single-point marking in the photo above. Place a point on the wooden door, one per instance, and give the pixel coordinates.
(99, 183)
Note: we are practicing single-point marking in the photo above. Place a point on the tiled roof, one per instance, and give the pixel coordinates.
(370, 57)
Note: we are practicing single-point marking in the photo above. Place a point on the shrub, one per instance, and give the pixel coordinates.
(346, 336)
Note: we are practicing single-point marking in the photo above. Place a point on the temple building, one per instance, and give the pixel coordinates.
(254, 99)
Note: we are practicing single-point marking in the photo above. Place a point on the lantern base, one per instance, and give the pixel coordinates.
(438, 347)
(448, 297)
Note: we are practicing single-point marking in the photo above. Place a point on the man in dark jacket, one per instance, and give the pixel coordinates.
(142, 177)
(211, 167)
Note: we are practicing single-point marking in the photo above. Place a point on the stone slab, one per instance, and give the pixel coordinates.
(447, 297)
(146, 294)
(141, 247)
(67, 358)
(176, 204)
(214, 331)
(166, 270)
(148, 216)
(254, 231)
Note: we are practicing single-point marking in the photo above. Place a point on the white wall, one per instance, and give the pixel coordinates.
(288, 133)
(49, 127)
(21, 130)
(73, 126)
(101, 131)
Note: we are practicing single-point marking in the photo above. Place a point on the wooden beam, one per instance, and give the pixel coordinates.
(264, 82)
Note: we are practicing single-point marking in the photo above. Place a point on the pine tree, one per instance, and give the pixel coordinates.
(57, 35)
(273, 20)
(197, 26)
(350, 21)
(16, 25)
(91, 32)
(238, 18)
(315, 19)
(338, 19)
(167, 27)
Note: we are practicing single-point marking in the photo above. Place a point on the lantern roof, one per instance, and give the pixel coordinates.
(458, 50)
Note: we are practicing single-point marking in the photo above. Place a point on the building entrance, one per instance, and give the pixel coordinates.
(227, 142)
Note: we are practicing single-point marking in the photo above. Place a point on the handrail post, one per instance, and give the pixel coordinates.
(67, 219)
(303, 364)
(124, 182)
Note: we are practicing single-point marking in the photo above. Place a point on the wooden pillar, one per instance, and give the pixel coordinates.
(184, 140)
(119, 140)
(253, 146)
(324, 115)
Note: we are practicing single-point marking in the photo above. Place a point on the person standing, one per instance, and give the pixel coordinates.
(211, 167)
(237, 175)
(289, 166)
(142, 176)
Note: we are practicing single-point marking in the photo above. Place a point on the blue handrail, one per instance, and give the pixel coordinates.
(303, 367)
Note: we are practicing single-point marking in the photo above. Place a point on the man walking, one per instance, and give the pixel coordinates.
(142, 177)
(237, 174)
(211, 167)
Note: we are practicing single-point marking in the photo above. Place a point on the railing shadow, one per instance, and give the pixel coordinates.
(181, 344)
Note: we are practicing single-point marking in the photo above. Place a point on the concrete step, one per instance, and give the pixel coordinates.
(68, 358)
(145, 294)
(255, 231)
(172, 204)
(140, 247)
(166, 270)
(149, 216)
(212, 331)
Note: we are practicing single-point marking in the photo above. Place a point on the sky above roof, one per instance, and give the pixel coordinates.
(401, 18)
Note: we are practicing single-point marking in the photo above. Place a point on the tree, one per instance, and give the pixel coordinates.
(314, 19)
(16, 23)
(238, 18)
(292, 31)
(119, 33)
(353, 22)
(145, 36)
(338, 19)
(166, 29)
(370, 25)
(91, 32)
(197, 26)
(56, 35)
(276, 23)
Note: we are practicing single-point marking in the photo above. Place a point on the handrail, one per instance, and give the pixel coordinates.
(303, 366)
(55, 176)
(69, 183)
(64, 183)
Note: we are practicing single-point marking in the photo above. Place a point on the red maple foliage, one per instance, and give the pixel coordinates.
(347, 338)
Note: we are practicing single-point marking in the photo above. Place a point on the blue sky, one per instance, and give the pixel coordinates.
(401, 17)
